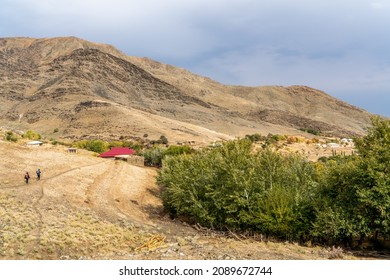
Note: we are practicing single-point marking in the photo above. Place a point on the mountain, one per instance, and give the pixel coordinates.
(93, 90)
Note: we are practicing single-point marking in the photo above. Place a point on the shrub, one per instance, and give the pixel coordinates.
(292, 139)
(154, 156)
(278, 137)
(311, 131)
(255, 137)
(31, 135)
(97, 146)
(136, 146)
(10, 136)
(273, 139)
(115, 144)
(163, 140)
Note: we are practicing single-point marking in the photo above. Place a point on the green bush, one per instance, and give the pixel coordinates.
(254, 137)
(112, 144)
(97, 146)
(311, 131)
(163, 140)
(31, 135)
(10, 136)
(136, 146)
(154, 156)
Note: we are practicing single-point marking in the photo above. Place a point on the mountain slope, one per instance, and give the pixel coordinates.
(87, 89)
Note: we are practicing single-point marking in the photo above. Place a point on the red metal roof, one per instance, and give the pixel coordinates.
(117, 152)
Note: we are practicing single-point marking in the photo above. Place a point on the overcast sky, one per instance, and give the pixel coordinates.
(339, 46)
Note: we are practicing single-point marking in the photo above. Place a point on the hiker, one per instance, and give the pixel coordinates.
(38, 174)
(26, 177)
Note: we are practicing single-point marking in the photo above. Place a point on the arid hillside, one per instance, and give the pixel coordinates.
(84, 89)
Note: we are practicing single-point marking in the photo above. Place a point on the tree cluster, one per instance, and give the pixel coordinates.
(234, 187)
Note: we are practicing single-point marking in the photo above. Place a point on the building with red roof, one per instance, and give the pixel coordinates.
(114, 152)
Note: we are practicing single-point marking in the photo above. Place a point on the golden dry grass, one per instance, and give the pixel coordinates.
(75, 234)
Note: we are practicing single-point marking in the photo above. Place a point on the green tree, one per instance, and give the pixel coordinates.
(354, 195)
(374, 191)
(340, 216)
(97, 146)
(234, 187)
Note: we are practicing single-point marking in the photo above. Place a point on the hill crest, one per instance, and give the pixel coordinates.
(84, 88)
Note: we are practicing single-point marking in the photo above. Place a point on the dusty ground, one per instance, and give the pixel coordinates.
(85, 207)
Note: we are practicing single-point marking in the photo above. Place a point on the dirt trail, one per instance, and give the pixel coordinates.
(113, 189)
(121, 192)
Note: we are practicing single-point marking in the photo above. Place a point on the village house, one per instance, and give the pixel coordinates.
(117, 151)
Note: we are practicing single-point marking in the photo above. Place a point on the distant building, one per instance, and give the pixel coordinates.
(346, 140)
(72, 150)
(35, 143)
(115, 152)
(333, 145)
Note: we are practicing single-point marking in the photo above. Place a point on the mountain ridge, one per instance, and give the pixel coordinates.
(84, 88)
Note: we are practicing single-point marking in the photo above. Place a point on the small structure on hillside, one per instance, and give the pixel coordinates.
(125, 154)
(35, 143)
(333, 145)
(72, 150)
(117, 151)
(346, 141)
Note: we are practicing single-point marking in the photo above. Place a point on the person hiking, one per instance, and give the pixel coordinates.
(26, 177)
(38, 174)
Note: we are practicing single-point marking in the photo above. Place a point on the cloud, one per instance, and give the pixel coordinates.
(379, 5)
(332, 45)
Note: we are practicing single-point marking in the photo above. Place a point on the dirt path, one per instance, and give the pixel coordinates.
(115, 190)
(121, 192)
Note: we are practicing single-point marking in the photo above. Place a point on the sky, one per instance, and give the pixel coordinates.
(339, 46)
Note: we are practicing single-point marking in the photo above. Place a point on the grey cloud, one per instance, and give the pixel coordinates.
(332, 45)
